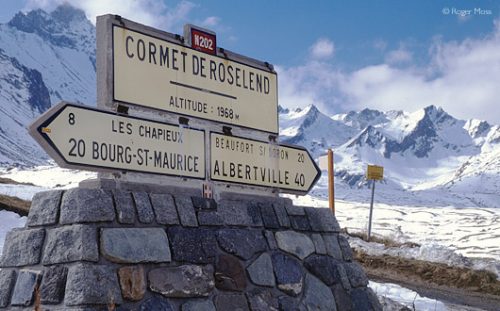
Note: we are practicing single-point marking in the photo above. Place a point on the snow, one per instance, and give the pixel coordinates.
(468, 237)
(9, 221)
(49, 176)
(412, 299)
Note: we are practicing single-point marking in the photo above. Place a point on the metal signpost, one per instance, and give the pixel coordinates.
(373, 173)
(81, 137)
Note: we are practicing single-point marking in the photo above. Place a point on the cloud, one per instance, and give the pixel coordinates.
(460, 76)
(210, 21)
(150, 12)
(399, 56)
(323, 48)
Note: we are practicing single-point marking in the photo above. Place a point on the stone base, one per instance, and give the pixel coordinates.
(103, 247)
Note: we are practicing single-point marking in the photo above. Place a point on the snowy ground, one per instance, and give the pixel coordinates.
(461, 234)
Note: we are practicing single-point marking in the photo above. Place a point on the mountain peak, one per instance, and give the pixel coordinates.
(67, 13)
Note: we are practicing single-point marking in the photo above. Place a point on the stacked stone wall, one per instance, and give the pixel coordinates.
(94, 249)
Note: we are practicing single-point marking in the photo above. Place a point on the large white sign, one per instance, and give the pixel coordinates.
(87, 138)
(153, 72)
(252, 162)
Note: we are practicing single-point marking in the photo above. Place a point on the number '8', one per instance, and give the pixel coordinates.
(71, 118)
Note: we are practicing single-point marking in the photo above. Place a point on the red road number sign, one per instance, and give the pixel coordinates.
(203, 41)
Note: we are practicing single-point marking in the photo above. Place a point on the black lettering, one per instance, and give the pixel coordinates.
(238, 77)
(141, 50)
(230, 79)
(129, 54)
(196, 65)
(213, 68)
(222, 72)
(266, 85)
(174, 59)
(184, 54)
(164, 60)
(152, 52)
(202, 67)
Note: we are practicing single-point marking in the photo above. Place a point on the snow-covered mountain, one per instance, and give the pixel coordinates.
(423, 150)
(44, 58)
(48, 57)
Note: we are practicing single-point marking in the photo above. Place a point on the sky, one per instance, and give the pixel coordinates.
(344, 55)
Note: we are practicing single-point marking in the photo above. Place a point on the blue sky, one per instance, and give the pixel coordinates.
(345, 55)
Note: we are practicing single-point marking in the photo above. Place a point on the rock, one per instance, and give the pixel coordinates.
(372, 297)
(71, 243)
(231, 302)
(268, 216)
(132, 282)
(44, 208)
(322, 219)
(319, 244)
(164, 207)
(271, 241)
(282, 216)
(200, 203)
(186, 211)
(135, 245)
(124, 207)
(24, 289)
(356, 275)
(92, 285)
(183, 281)
(22, 247)
(345, 247)
(209, 219)
(194, 245)
(156, 304)
(198, 305)
(342, 298)
(254, 212)
(361, 300)
(288, 272)
(332, 246)
(262, 299)
(300, 223)
(317, 296)
(235, 213)
(261, 271)
(229, 274)
(81, 205)
(241, 242)
(287, 303)
(327, 269)
(7, 281)
(53, 284)
(293, 210)
(295, 243)
(144, 208)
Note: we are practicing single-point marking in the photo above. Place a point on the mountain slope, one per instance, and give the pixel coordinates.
(44, 58)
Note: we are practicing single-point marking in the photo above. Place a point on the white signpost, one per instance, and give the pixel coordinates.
(153, 70)
(252, 162)
(86, 138)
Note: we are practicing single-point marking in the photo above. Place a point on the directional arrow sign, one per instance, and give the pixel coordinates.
(87, 138)
(252, 162)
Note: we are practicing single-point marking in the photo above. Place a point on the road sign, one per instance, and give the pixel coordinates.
(252, 162)
(86, 138)
(151, 68)
(375, 172)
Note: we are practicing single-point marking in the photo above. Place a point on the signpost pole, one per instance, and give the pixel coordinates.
(331, 186)
(371, 211)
